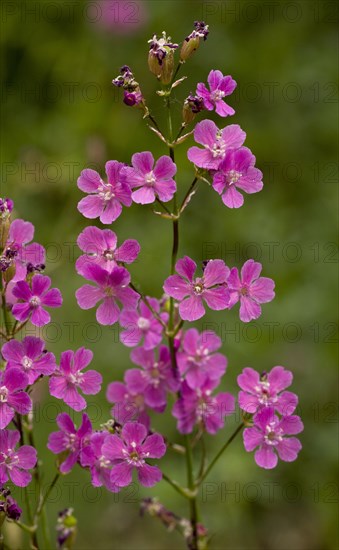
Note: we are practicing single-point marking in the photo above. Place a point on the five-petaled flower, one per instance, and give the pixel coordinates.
(142, 324)
(199, 406)
(198, 362)
(153, 181)
(155, 380)
(131, 450)
(14, 463)
(105, 200)
(19, 251)
(100, 466)
(100, 247)
(12, 397)
(192, 292)
(66, 380)
(237, 170)
(216, 143)
(269, 435)
(263, 391)
(29, 356)
(251, 289)
(70, 440)
(109, 288)
(32, 299)
(220, 87)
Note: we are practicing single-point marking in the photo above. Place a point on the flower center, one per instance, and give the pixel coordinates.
(198, 288)
(232, 177)
(109, 291)
(103, 462)
(150, 178)
(143, 323)
(3, 394)
(108, 255)
(273, 434)
(35, 301)
(75, 378)
(217, 95)
(26, 362)
(244, 291)
(106, 191)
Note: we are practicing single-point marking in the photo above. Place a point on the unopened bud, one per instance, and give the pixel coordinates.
(192, 42)
(161, 58)
(192, 106)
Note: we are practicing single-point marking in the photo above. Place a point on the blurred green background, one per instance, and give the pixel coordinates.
(60, 114)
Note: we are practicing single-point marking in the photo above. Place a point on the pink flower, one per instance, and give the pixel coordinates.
(155, 380)
(128, 405)
(65, 381)
(32, 299)
(13, 463)
(192, 292)
(105, 199)
(216, 142)
(23, 254)
(199, 406)
(100, 465)
(198, 363)
(131, 450)
(12, 397)
(266, 390)
(110, 288)
(220, 87)
(237, 171)
(269, 435)
(152, 181)
(250, 289)
(141, 324)
(70, 440)
(30, 357)
(100, 247)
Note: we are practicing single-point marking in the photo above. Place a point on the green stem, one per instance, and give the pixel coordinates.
(193, 501)
(45, 497)
(4, 308)
(190, 190)
(218, 455)
(176, 486)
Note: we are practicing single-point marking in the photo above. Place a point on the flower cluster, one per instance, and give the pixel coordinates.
(175, 367)
(273, 419)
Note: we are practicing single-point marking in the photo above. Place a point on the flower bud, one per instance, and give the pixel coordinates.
(6, 207)
(192, 106)
(132, 93)
(66, 528)
(161, 58)
(192, 42)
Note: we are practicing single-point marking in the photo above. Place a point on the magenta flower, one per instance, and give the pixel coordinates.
(12, 397)
(220, 87)
(192, 292)
(100, 247)
(216, 143)
(197, 362)
(14, 463)
(269, 435)
(250, 289)
(200, 407)
(25, 256)
(100, 466)
(128, 405)
(109, 288)
(237, 170)
(33, 299)
(152, 181)
(156, 378)
(266, 390)
(66, 380)
(105, 200)
(131, 450)
(70, 440)
(141, 324)
(30, 357)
